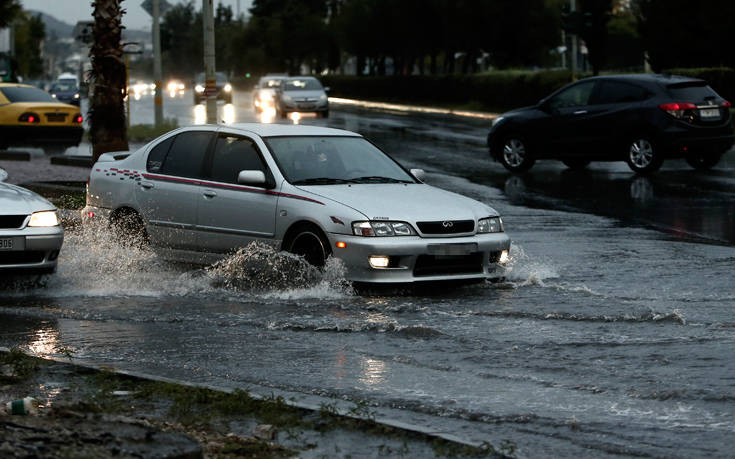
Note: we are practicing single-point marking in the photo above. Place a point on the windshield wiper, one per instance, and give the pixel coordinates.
(321, 181)
(379, 179)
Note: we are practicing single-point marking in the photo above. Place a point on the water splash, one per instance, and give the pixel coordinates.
(523, 270)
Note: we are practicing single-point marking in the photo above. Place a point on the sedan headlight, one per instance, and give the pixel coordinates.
(76, 96)
(199, 88)
(490, 225)
(228, 87)
(382, 229)
(45, 218)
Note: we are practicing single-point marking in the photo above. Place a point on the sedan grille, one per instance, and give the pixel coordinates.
(438, 265)
(22, 258)
(12, 221)
(447, 227)
(56, 117)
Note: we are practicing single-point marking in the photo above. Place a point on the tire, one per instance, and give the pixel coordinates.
(128, 228)
(514, 154)
(703, 162)
(309, 242)
(643, 156)
(324, 114)
(576, 164)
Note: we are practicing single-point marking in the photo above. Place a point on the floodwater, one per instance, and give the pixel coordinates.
(612, 334)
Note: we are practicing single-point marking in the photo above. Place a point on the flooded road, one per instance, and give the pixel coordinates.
(612, 334)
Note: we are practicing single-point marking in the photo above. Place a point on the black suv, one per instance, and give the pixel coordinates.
(640, 119)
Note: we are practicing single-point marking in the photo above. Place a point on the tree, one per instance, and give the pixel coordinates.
(107, 112)
(9, 9)
(30, 32)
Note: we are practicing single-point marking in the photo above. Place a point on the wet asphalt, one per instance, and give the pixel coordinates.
(611, 336)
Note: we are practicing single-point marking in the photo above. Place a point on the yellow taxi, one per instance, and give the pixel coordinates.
(31, 117)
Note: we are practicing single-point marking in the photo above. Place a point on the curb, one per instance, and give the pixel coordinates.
(72, 160)
(15, 156)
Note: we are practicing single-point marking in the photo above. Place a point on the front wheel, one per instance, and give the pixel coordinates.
(703, 162)
(310, 243)
(514, 155)
(642, 156)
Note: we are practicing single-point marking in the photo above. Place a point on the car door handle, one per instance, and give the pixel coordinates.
(146, 185)
(580, 112)
(209, 194)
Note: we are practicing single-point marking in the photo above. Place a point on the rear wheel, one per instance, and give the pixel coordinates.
(576, 164)
(643, 157)
(703, 162)
(128, 228)
(514, 154)
(309, 242)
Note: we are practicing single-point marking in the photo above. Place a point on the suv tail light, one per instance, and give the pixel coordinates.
(677, 109)
(726, 104)
(29, 117)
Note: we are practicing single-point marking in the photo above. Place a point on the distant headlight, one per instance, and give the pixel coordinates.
(199, 88)
(53, 95)
(228, 87)
(266, 97)
(497, 120)
(382, 229)
(76, 96)
(490, 225)
(45, 218)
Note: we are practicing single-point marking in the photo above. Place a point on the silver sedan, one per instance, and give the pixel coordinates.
(30, 234)
(198, 193)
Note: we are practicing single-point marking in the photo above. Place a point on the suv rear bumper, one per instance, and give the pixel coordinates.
(676, 146)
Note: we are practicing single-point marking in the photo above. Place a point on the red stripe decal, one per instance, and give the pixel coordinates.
(166, 178)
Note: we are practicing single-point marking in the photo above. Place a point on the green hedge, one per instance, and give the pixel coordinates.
(494, 91)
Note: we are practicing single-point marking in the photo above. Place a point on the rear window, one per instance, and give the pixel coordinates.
(692, 92)
(26, 94)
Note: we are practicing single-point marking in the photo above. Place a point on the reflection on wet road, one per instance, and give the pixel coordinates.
(611, 336)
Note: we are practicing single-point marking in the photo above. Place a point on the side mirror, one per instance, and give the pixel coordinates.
(256, 178)
(420, 174)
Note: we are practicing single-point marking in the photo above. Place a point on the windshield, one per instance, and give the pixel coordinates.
(328, 160)
(63, 87)
(302, 84)
(26, 94)
(270, 83)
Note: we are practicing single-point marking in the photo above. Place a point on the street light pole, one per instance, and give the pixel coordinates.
(210, 87)
(158, 95)
(574, 38)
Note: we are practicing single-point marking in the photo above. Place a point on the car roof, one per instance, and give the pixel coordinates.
(275, 130)
(13, 85)
(659, 78)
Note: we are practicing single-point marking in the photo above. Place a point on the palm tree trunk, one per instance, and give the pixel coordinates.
(107, 110)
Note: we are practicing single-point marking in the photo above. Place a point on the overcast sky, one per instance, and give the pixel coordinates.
(71, 11)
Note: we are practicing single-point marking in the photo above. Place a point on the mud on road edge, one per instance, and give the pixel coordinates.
(107, 412)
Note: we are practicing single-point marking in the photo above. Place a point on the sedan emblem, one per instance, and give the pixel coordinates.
(447, 224)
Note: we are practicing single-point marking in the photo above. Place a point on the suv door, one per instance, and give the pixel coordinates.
(232, 215)
(617, 114)
(570, 109)
(168, 197)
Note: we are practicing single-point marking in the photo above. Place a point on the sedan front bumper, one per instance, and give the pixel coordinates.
(35, 249)
(417, 259)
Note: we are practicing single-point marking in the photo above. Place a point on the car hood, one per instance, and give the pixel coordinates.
(403, 202)
(15, 200)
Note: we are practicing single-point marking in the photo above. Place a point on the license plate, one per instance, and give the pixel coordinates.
(709, 113)
(452, 249)
(11, 243)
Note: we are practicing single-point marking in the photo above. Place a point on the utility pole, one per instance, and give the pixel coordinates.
(573, 37)
(158, 95)
(210, 87)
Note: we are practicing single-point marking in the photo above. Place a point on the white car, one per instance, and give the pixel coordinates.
(198, 193)
(30, 234)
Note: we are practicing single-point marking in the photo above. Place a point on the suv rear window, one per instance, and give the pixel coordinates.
(691, 92)
(25, 94)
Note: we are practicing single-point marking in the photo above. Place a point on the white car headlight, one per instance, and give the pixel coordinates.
(199, 88)
(380, 228)
(76, 96)
(490, 225)
(228, 87)
(45, 218)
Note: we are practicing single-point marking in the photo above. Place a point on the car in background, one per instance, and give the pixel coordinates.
(31, 117)
(264, 93)
(224, 88)
(302, 94)
(198, 193)
(640, 119)
(30, 233)
(66, 92)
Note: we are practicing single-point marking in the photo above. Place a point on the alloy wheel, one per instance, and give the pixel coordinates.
(514, 152)
(641, 153)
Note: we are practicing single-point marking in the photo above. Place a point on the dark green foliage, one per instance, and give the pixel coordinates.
(30, 32)
(9, 9)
